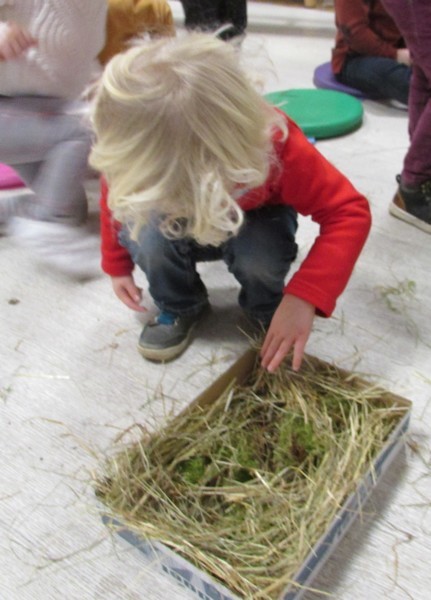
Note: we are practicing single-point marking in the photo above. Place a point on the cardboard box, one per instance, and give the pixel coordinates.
(206, 587)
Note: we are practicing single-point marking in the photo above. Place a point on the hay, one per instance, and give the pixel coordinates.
(244, 487)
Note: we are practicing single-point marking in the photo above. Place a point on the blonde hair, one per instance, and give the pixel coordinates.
(179, 129)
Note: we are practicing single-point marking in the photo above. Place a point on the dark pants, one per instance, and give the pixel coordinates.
(413, 18)
(378, 77)
(259, 257)
(211, 14)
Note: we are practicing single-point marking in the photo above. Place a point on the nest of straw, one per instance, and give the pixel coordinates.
(244, 488)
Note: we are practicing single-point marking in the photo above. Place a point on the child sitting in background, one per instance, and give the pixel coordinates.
(370, 53)
(199, 167)
(48, 55)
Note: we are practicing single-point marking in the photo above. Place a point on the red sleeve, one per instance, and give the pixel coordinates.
(353, 22)
(116, 261)
(316, 188)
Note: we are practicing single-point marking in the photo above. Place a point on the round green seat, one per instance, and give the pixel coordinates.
(319, 113)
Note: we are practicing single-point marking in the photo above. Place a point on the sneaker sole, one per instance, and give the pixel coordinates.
(166, 354)
(399, 213)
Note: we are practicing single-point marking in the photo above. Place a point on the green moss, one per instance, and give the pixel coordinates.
(296, 443)
(193, 470)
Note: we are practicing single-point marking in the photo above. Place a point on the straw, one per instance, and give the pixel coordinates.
(246, 487)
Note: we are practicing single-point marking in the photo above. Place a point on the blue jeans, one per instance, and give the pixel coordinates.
(377, 77)
(259, 257)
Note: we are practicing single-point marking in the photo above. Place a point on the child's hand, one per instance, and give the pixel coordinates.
(15, 41)
(126, 290)
(290, 327)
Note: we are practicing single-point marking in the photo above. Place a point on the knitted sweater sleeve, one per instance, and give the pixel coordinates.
(69, 34)
(116, 260)
(316, 188)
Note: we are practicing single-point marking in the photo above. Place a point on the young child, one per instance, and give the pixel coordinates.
(370, 53)
(48, 54)
(198, 166)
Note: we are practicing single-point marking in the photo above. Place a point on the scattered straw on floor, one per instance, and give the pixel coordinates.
(244, 488)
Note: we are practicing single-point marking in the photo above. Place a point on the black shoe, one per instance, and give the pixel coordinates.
(413, 205)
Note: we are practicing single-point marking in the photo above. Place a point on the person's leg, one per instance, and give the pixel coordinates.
(19, 202)
(260, 257)
(36, 132)
(49, 148)
(412, 201)
(378, 77)
(414, 22)
(417, 162)
(202, 14)
(176, 288)
(234, 12)
(170, 267)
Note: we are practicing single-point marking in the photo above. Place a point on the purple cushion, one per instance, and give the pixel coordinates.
(9, 178)
(325, 78)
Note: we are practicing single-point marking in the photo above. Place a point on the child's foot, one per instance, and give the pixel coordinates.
(413, 205)
(167, 336)
(71, 250)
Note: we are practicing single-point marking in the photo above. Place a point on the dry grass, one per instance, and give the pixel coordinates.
(244, 487)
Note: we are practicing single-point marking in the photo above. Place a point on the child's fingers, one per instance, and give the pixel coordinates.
(298, 353)
(273, 351)
(131, 302)
(134, 298)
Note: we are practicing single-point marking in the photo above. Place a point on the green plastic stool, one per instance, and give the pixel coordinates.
(319, 113)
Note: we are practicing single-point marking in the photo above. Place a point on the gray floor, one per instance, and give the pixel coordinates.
(72, 381)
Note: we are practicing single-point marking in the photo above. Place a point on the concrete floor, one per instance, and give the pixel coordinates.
(72, 381)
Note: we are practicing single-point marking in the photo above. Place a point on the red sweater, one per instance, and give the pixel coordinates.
(310, 184)
(364, 28)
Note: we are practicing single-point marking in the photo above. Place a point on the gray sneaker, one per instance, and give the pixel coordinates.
(167, 336)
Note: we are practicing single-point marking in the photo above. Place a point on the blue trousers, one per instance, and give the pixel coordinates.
(377, 77)
(259, 257)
